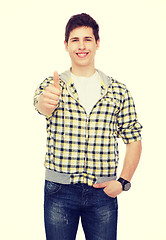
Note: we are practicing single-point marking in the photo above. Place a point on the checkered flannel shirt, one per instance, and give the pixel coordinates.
(85, 146)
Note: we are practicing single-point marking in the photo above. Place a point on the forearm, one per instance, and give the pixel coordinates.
(132, 157)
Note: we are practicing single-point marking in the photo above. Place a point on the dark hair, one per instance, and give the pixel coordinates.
(81, 20)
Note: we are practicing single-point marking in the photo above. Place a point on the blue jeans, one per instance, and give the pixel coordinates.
(65, 204)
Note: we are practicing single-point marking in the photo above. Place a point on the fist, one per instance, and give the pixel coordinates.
(49, 99)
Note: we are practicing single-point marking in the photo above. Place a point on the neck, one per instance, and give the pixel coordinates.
(83, 71)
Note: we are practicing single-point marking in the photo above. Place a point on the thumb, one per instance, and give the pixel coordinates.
(100, 185)
(56, 80)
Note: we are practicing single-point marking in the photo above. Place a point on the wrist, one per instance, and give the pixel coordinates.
(126, 185)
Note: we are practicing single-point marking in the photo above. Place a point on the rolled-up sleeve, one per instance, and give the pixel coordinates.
(129, 129)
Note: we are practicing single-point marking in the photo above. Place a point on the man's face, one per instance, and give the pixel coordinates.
(82, 47)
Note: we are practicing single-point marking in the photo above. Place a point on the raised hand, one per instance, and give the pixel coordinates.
(49, 99)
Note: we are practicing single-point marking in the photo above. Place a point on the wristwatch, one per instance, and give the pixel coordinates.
(126, 185)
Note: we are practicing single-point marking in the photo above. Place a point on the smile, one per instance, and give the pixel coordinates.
(82, 54)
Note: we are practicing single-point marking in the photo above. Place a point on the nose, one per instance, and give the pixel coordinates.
(81, 45)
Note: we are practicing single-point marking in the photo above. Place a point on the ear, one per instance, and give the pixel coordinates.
(98, 44)
(66, 46)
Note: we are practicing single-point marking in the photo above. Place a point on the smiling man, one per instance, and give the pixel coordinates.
(86, 111)
(82, 47)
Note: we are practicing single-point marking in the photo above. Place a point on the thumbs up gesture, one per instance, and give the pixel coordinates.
(49, 99)
(56, 80)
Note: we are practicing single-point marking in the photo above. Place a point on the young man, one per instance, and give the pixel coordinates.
(86, 111)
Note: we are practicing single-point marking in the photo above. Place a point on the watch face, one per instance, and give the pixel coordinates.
(127, 186)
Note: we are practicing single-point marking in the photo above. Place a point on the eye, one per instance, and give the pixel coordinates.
(88, 39)
(74, 40)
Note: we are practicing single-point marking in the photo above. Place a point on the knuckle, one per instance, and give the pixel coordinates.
(44, 94)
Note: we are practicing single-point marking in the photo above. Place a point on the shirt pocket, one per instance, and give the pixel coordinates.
(110, 105)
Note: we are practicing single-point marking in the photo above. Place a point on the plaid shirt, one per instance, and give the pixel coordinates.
(85, 146)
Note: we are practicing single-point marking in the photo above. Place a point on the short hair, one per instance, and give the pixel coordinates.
(81, 20)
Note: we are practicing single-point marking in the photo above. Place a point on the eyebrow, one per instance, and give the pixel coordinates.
(74, 38)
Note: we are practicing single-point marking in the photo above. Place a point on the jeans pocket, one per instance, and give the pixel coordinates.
(52, 187)
(113, 201)
(107, 195)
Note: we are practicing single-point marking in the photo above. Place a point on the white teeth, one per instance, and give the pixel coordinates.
(82, 54)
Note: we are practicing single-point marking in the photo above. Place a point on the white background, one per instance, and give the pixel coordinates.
(133, 50)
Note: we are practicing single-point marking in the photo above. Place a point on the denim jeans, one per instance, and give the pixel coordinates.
(65, 204)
